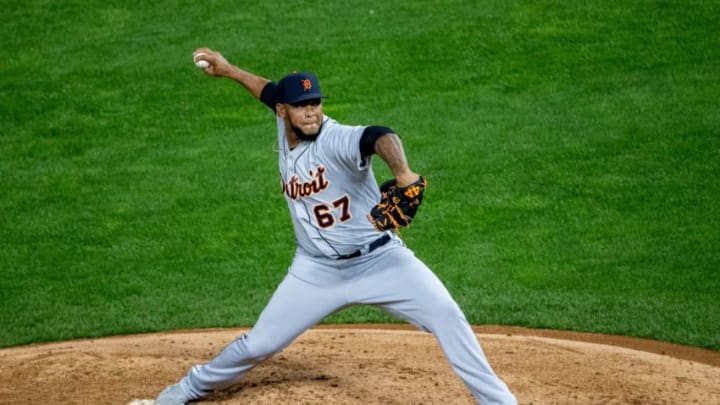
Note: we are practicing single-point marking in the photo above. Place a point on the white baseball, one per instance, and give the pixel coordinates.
(199, 62)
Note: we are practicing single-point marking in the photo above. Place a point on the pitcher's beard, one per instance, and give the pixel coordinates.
(303, 136)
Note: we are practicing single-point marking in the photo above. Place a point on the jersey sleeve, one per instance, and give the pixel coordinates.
(344, 142)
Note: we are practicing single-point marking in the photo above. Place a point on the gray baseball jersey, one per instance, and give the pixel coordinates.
(330, 189)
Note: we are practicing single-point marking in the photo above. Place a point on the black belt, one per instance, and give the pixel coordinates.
(373, 245)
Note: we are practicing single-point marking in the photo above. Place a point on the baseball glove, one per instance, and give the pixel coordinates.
(398, 205)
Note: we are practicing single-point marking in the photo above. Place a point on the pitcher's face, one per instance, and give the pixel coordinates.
(304, 117)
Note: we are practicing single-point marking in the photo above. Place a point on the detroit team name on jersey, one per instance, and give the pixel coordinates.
(295, 189)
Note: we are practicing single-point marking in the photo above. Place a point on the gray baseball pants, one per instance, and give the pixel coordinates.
(391, 278)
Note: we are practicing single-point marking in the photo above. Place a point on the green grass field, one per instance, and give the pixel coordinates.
(572, 151)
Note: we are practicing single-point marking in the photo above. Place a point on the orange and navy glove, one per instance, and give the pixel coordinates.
(398, 205)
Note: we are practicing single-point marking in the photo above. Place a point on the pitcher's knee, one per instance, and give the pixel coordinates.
(257, 349)
(444, 309)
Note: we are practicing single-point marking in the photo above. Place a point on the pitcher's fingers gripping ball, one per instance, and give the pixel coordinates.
(212, 62)
(201, 60)
(398, 205)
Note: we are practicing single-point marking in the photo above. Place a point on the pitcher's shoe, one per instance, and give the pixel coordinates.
(172, 395)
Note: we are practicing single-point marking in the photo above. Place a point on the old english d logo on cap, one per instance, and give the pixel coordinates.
(297, 87)
(307, 84)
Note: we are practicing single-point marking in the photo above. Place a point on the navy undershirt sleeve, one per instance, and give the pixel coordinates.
(370, 136)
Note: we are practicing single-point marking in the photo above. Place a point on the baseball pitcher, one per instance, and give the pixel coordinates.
(348, 252)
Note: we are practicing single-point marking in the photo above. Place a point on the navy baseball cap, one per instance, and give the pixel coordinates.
(297, 87)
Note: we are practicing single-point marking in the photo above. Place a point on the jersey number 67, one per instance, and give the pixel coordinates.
(324, 212)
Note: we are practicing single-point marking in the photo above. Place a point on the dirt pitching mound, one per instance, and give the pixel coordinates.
(371, 364)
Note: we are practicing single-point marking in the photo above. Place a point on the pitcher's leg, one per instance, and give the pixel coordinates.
(294, 307)
(406, 288)
(463, 351)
